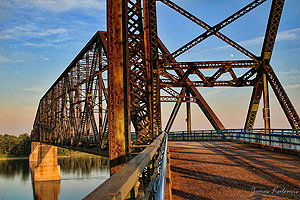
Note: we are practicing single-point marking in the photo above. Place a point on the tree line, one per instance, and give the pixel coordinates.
(13, 146)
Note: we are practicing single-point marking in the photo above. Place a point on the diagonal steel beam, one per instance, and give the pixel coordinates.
(272, 28)
(286, 104)
(175, 111)
(215, 29)
(208, 112)
(254, 104)
(267, 49)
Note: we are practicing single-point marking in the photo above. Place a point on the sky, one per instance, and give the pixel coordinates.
(40, 38)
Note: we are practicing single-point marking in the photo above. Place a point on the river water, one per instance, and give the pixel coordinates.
(79, 176)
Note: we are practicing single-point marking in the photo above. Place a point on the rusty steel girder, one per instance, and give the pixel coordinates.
(118, 78)
(74, 110)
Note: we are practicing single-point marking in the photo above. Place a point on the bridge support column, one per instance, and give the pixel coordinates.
(33, 157)
(43, 162)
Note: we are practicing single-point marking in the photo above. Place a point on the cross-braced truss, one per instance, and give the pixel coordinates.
(75, 110)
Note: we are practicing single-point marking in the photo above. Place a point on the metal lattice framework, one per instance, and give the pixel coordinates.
(75, 107)
(120, 75)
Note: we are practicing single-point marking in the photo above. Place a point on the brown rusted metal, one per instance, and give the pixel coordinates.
(200, 101)
(254, 104)
(67, 112)
(272, 28)
(83, 109)
(286, 105)
(175, 110)
(151, 59)
(188, 114)
(140, 75)
(118, 98)
(266, 109)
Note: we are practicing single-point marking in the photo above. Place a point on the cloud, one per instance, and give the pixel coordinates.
(4, 59)
(289, 50)
(295, 86)
(33, 89)
(51, 32)
(45, 58)
(293, 34)
(216, 91)
(65, 5)
(289, 73)
(29, 44)
(289, 76)
(3, 36)
(30, 31)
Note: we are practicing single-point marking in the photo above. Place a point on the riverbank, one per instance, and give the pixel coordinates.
(79, 154)
(13, 158)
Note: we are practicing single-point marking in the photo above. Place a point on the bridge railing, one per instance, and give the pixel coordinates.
(143, 177)
(283, 138)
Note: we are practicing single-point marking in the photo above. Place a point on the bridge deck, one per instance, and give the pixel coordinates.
(225, 170)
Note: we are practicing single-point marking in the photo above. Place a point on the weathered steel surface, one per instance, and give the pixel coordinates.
(68, 111)
(224, 170)
(286, 104)
(266, 109)
(151, 58)
(272, 29)
(118, 98)
(208, 112)
(92, 105)
(254, 104)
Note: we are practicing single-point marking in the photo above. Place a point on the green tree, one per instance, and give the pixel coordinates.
(15, 146)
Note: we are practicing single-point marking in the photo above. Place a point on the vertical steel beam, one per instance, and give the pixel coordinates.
(266, 111)
(118, 112)
(148, 61)
(100, 137)
(151, 58)
(188, 113)
(140, 96)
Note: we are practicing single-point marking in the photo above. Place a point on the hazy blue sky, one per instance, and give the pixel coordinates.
(40, 38)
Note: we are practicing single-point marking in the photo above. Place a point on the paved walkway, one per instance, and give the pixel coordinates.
(225, 170)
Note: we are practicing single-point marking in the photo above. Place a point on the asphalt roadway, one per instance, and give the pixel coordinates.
(227, 170)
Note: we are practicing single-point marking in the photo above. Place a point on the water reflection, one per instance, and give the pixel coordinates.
(46, 190)
(11, 168)
(82, 166)
(89, 170)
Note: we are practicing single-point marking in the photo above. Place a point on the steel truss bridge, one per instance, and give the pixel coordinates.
(122, 75)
